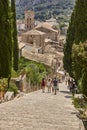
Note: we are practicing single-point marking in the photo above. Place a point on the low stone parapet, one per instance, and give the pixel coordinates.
(8, 96)
(45, 59)
(82, 125)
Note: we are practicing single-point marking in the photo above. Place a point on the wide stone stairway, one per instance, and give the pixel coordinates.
(40, 111)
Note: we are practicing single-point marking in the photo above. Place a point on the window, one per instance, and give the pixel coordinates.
(27, 20)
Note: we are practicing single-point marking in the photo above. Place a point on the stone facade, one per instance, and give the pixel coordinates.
(34, 36)
(50, 33)
(53, 22)
(29, 20)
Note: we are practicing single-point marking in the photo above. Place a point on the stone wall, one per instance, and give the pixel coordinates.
(53, 35)
(38, 39)
(45, 59)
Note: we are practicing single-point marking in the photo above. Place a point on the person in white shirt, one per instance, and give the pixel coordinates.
(49, 85)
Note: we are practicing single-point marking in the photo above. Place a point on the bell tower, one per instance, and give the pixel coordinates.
(29, 20)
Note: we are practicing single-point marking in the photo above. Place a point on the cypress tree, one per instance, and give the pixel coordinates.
(14, 35)
(77, 33)
(78, 58)
(80, 21)
(68, 46)
(5, 40)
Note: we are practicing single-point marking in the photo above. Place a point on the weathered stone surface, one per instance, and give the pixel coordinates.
(40, 111)
(21, 94)
(8, 96)
(81, 125)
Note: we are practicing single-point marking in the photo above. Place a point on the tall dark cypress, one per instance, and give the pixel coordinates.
(77, 32)
(68, 46)
(5, 40)
(14, 35)
(80, 21)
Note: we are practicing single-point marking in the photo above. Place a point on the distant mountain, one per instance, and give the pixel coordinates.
(44, 9)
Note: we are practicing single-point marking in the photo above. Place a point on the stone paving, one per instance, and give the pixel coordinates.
(40, 111)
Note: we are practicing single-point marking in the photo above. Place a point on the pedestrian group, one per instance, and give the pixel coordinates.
(51, 84)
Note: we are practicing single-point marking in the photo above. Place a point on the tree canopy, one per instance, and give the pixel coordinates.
(75, 49)
(68, 46)
(79, 56)
(80, 21)
(5, 40)
(77, 32)
(14, 36)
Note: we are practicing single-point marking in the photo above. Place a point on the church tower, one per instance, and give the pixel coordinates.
(29, 20)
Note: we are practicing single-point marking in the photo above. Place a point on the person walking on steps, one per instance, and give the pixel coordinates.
(55, 85)
(49, 85)
(43, 84)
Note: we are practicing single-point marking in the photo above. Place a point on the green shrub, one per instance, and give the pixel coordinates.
(79, 102)
(84, 83)
(1, 88)
(3, 84)
(13, 88)
(14, 73)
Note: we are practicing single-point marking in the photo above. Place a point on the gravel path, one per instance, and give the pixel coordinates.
(40, 111)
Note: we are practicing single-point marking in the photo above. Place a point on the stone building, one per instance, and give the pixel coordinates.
(29, 20)
(64, 30)
(34, 36)
(54, 24)
(20, 27)
(50, 33)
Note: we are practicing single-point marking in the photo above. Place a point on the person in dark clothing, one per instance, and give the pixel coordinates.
(43, 83)
(55, 85)
(73, 88)
(69, 83)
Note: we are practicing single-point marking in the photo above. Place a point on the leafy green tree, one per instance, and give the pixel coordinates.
(79, 56)
(5, 40)
(14, 36)
(84, 82)
(33, 73)
(80, 23)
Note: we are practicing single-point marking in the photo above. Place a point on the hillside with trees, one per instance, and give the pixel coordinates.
(44, 9)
